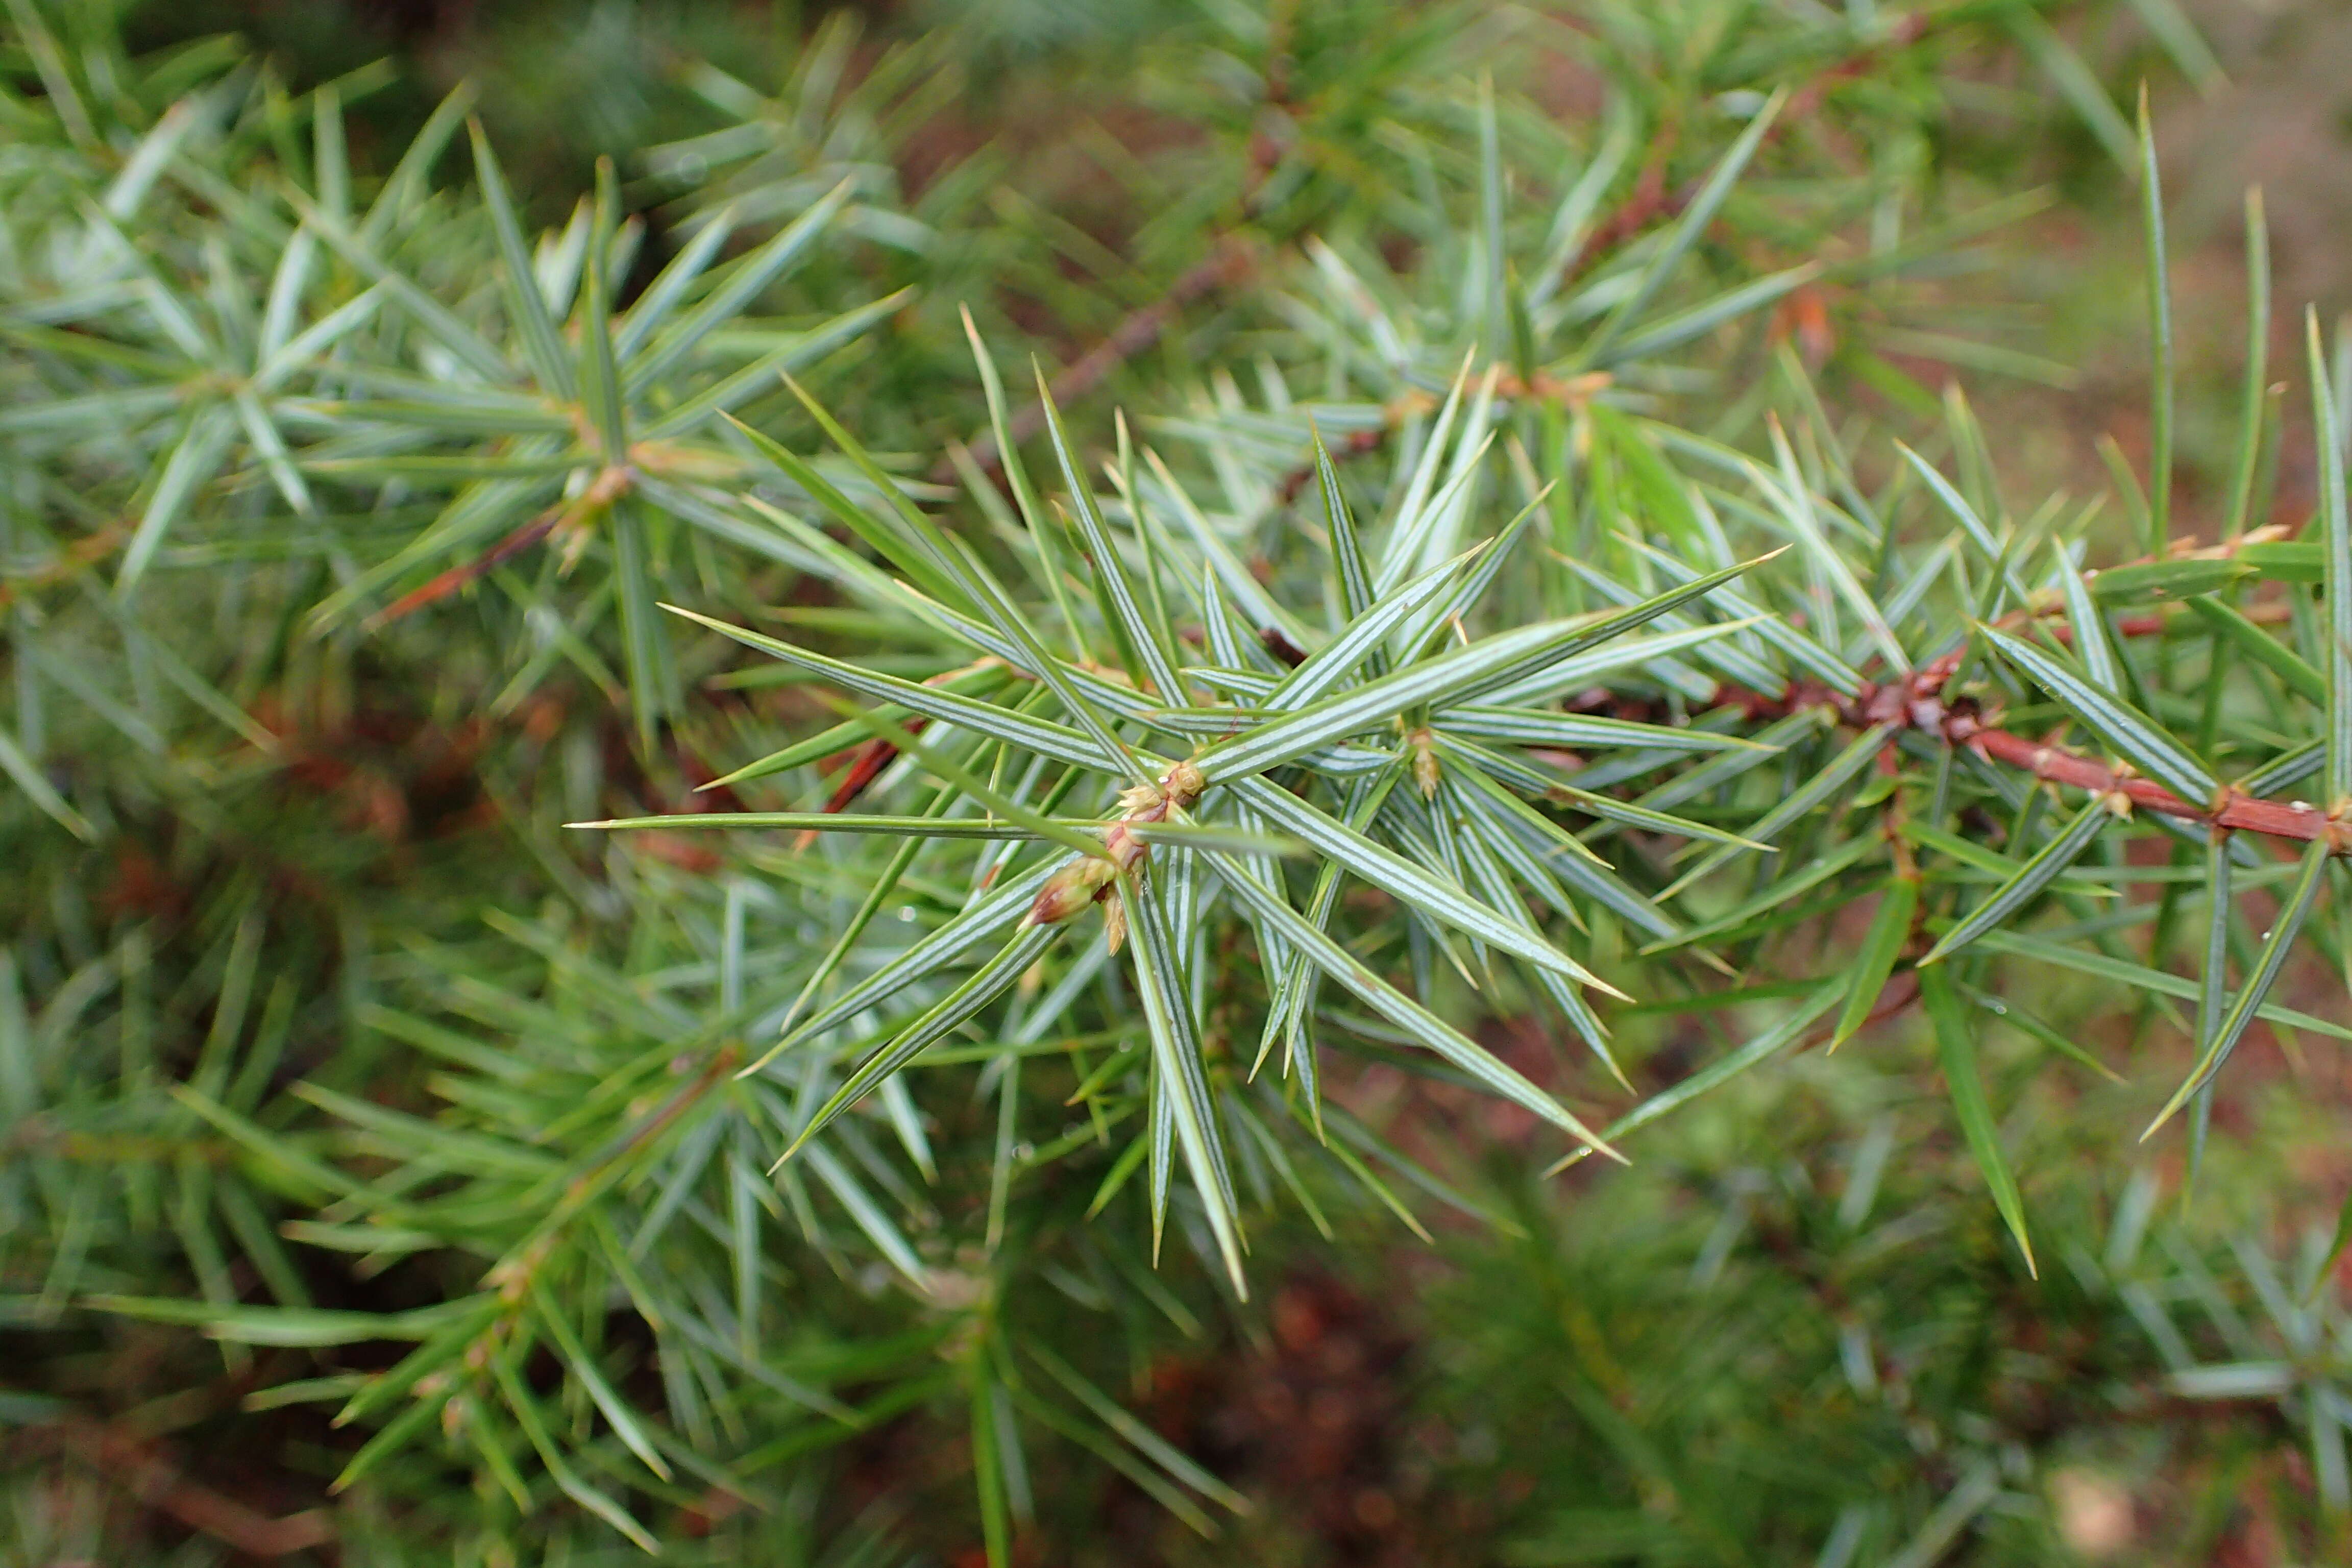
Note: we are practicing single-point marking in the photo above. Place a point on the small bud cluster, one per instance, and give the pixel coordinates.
(1087, 878)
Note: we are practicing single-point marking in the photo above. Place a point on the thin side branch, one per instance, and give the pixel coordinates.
(1232, 259)
(1918, 703)
(156, 1483)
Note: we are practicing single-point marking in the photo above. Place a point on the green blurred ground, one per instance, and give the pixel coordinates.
(1402, 1405)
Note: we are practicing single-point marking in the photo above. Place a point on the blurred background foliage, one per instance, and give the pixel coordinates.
(288, 877)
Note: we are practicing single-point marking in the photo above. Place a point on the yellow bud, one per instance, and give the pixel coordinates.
(1184, 785)
(1114, 925)
(1425, 761)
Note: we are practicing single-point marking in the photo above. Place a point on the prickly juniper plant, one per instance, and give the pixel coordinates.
(434, 928)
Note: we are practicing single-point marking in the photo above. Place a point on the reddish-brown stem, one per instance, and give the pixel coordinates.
(83, 553)
(866, 765)
(866, 762)
(1231, 260)
(474, 571)
(2279, 819)
(609, 486)
(158, 1484)
(1651, 202)
(1917, 702)
(1648, 202)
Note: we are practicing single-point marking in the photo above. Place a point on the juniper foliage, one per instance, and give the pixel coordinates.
(1494, 591)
